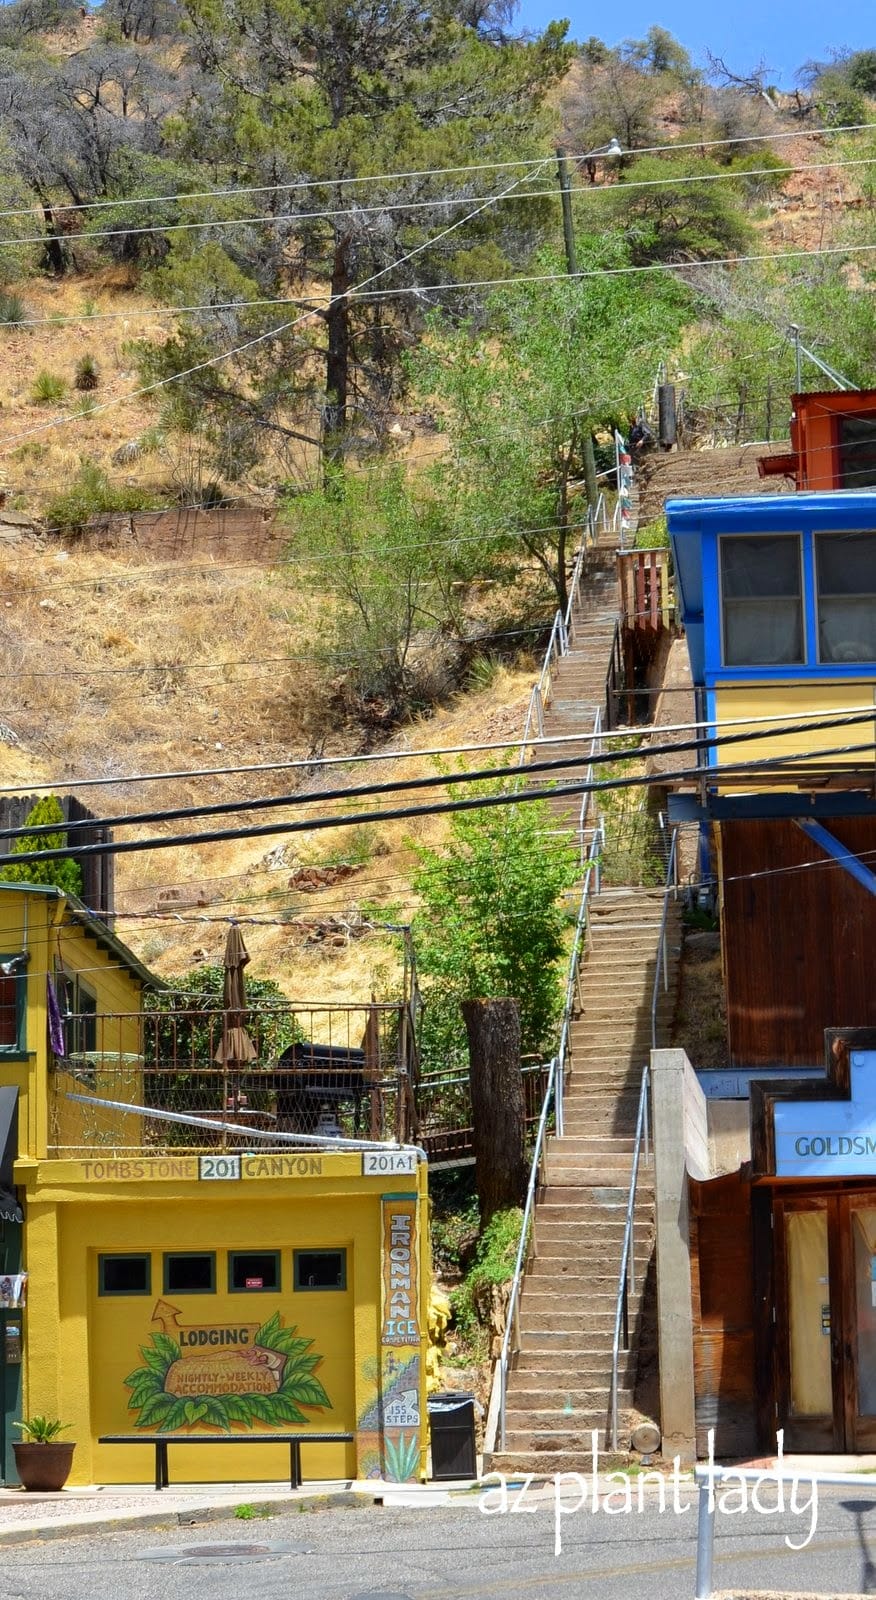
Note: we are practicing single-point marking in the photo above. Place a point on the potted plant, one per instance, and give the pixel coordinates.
(42, 1460)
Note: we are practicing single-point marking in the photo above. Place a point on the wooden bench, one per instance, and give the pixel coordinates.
(162, 1440)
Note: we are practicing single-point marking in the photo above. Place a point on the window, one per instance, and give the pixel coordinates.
(846, 569)
(12, 1003)
(124, 1274)
(190, 1274)
(761, 593)
(857, 452)
(77, 1003)
(320, 1269)
(250, 1271)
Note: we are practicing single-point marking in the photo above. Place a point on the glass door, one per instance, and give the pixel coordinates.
(825, 1287)
(860, 1232)
(808, 1348)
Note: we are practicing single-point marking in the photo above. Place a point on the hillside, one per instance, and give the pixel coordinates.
(169, 339)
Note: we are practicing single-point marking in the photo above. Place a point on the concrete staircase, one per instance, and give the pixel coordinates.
(559, 1385)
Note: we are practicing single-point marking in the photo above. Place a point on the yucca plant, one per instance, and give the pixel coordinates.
(87, 374)
(42, 1430)
(48, 389)
(12, 308)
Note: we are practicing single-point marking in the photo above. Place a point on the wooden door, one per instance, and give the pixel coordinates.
(826, 1321)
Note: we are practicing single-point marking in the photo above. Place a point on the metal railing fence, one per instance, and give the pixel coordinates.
(626, 1285)
(529, 1206)
(339, 1070)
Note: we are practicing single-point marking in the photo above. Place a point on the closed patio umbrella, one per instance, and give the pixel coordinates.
(235, 1045)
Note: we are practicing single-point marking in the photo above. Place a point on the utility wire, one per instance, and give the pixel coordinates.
(272, 333)
(438, 202)
(422, 291)
(296, 185)
(435, 780)
(780, 723)
(517, 796)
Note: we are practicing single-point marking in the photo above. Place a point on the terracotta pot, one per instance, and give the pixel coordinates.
(43, 1466)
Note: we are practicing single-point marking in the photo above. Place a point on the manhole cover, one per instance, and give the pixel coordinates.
(198, 1554)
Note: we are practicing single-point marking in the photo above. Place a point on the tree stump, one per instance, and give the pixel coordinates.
(497, 1104)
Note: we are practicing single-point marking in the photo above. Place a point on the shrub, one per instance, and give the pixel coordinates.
(89, 494)
(87, 374)
(761, 174)
(48, 389)
(64, 873)
(493, 1264)
(12, 308)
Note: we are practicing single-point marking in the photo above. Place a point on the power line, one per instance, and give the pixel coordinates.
(361, 292)
(515, 796)
(437, 202)
(780, 723)
(249, 344)
(296, 185)
(435, 780)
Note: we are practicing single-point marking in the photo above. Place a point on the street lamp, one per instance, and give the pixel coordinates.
(604, 152)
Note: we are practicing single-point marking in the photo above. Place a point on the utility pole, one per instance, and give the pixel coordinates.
(566, 196)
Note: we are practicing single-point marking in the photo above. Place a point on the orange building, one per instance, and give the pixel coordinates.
(833, 442)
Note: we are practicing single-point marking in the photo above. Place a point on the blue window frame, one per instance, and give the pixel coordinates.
(761, 580)
(845, 565)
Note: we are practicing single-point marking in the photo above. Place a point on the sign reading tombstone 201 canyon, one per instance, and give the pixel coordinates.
(223, 1374)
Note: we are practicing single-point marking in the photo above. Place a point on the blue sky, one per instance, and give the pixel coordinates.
(784, 33)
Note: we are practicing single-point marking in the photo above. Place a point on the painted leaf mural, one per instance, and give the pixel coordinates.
(221, 1377)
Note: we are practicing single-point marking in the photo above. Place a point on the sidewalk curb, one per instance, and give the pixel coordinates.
(193, 1516)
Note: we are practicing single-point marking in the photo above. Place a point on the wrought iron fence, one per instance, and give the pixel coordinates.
(330, 1071)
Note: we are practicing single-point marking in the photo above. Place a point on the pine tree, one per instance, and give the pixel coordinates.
(63, 872)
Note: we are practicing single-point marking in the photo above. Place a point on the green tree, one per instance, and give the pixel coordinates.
(63, 872)
(341, 92)
(493, 918)
(667, 221)
(520, 402)
(861, 71)
(380, 542)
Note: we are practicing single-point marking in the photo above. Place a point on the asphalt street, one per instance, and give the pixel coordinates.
(434, 1553)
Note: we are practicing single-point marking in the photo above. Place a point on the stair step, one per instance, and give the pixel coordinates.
(535, 1401)
(579, 1366)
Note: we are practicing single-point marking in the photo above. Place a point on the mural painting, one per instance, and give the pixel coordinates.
(244, 1374)
(390, 1424)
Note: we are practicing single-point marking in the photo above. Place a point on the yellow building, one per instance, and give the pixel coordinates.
(199, 1264)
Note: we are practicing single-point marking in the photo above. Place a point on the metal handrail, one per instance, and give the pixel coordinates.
(627, 1277)
(591, 875)
(662, 951)
(559, 642)
(514, 1296)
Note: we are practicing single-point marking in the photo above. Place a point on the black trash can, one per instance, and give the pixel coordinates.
(452, 1432)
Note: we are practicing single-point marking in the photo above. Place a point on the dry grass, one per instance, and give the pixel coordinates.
(122, 667)
(315, 946)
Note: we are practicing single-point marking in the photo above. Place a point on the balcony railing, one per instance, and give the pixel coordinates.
(326, 1072)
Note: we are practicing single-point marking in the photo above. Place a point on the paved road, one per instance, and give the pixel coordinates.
(451, 1553)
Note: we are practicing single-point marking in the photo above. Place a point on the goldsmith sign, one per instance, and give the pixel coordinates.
(830, 1138)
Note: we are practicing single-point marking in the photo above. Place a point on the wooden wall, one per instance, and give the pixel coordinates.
(723, 1316)
(797, 943)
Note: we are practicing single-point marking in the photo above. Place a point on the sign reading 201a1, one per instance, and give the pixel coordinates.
(386, 1163)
